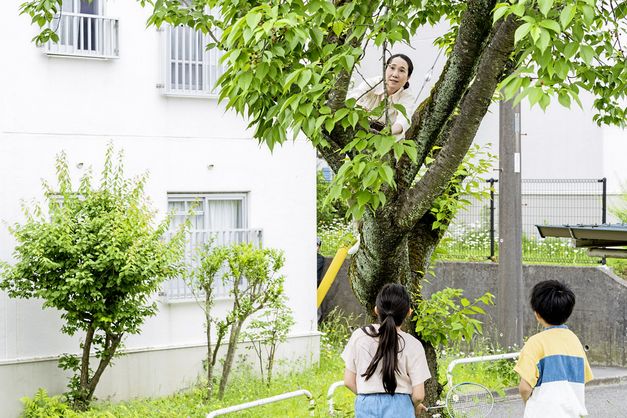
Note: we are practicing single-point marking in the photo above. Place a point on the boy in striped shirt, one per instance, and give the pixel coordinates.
(553, 367)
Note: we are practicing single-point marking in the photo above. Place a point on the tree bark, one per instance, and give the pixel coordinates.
(230, 355)
(111, 345)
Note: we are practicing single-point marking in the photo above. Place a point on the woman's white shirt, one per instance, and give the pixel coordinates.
(370, 94)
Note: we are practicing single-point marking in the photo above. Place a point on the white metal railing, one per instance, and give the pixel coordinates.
(84, 35)
(452, 364)
(191, 69)
(265, 401)
(177, 289)
(449, 373)
(330, 393)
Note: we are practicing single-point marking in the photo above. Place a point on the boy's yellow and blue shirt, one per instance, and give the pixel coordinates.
(554, 363)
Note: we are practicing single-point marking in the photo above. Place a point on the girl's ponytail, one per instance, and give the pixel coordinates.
(392, 308)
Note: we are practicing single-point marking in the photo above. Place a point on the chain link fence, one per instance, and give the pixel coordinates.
(473, 234)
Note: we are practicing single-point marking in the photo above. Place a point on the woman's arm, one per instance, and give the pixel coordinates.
(350, 380)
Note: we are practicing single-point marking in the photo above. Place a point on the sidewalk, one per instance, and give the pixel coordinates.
(608, 375)
(602, 376)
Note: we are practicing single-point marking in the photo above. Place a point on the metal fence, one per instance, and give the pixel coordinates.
(84, 35)
(473, 235)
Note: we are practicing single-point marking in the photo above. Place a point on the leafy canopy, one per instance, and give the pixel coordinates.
(289, 64)
(95, 253)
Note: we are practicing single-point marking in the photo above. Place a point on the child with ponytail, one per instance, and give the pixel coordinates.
(385, 367)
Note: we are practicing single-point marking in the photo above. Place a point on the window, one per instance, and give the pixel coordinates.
(217, 217)
(190, 70)
(84, 31)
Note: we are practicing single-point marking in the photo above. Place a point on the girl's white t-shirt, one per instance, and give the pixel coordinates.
(412, 363)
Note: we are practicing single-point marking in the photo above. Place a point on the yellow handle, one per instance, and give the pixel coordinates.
(329, 276)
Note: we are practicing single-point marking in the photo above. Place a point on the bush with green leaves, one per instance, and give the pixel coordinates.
(252, 276)
(327, 211)
(43, 406)
(336, 329)
(98, 257)
(448, 317)
(266, 332)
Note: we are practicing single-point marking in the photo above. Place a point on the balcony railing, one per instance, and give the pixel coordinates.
(84, 35)
(177, 289)
(190, 69)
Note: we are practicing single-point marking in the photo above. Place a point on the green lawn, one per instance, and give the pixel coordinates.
(244, 389)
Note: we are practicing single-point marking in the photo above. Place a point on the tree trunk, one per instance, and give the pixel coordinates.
(387, 254)
(230, 355)
(209, 349)
(80, 402)
(111, 346)
(382, 258)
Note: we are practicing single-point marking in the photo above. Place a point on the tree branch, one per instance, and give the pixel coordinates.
(431, 116)
(472, 109)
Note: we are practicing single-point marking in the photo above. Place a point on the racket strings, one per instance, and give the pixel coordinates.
(469, 401)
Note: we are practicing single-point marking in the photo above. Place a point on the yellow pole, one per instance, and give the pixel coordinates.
(329, 276)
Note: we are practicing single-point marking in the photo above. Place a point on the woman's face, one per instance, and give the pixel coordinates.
(396, 74)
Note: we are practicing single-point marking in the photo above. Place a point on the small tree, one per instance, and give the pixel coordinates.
(96, 257)
(266, 333)
(202, 281)
(252, 276)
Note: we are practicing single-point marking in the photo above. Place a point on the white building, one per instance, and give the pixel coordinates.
(149, 93)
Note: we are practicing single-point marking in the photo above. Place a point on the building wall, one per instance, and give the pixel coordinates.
(79, 105)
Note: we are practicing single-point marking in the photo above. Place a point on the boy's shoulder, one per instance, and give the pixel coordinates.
(554, 338)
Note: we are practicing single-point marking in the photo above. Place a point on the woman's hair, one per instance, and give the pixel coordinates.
(410, 65)
(392, 309)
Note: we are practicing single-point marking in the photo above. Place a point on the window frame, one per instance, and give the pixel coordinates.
(210, 88)
(70, 26)
(175, 290)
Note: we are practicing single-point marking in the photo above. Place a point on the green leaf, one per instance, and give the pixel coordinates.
(338, 27)
(535, 93)
(545, 6)
(363, 197)
(544, 40)
(253, 19)
(522, 31)
(567, 14)
(564, 99)
(551, 24)
(586, 53)
(499, 11)
(570, 49)
(304, 78)
(588, 14)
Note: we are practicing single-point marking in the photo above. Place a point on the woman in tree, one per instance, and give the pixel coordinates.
(385, 366)
(372, 92)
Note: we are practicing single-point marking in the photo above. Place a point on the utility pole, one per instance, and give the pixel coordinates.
(510, 290)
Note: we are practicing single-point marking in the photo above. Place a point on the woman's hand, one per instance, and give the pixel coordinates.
(397, 129)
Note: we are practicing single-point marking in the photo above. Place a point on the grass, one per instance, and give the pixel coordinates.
(496, 375)
(242, 388)
(316, 379)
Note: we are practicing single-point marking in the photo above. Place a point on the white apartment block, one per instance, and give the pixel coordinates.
(151, 93)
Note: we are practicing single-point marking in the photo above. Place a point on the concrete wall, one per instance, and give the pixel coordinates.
(599, 317)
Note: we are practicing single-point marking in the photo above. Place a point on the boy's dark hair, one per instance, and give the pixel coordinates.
(553, 301)
(392, 307)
